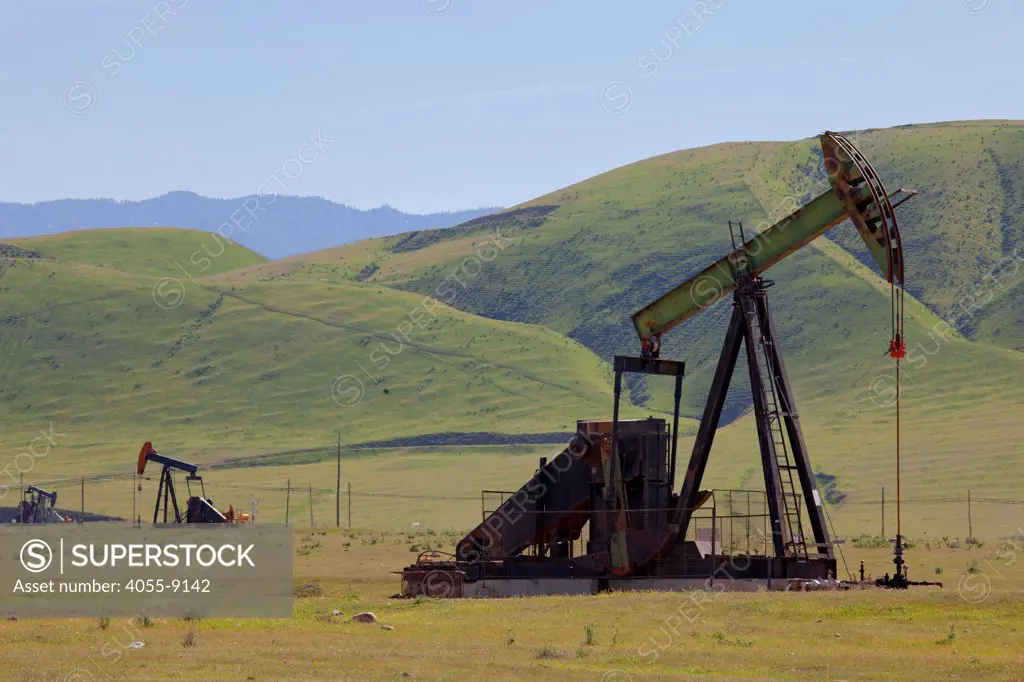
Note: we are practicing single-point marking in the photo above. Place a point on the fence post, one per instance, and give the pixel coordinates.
(350, 505)
(337, 489)
(310, 504)
(970, 526)
(287, 501)
(714, 547)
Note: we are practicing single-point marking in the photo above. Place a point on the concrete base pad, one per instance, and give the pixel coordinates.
(535, 587)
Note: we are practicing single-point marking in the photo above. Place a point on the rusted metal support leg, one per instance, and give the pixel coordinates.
(174, 498)
(675, 434)
(613, 465)
(159, 492)
(772, 485)
(709, 421)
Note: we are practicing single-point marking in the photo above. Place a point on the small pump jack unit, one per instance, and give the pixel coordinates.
(39, 507)
(198, 509)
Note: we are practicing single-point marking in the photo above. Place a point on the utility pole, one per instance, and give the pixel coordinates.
(134, 493)
(82, 517)
(287, 501)
(350, 505)
(337, 489)
(883, 512)
(970, 526)
(311, 504)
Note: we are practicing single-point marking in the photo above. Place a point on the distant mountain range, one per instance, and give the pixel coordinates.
(275, 226)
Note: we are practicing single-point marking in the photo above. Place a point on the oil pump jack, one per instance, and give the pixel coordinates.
(39, 507)
(198, 509)
(858, 195)
(615, 480)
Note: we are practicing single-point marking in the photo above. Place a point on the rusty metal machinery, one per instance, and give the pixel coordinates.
(614, 478)
(604, 513)
(793, 500)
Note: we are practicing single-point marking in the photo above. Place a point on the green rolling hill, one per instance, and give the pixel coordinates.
(581, 259)
(536, 299)
(99, 339)
(584, 257)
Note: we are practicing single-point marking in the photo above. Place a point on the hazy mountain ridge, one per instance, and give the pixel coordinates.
(274, 226)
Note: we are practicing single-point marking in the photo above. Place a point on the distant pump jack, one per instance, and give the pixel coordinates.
(198, 509)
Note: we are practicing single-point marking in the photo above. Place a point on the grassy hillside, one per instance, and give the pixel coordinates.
(581, 259)
(240, 368)
(145, 251)
(963, 235)
(263, 357)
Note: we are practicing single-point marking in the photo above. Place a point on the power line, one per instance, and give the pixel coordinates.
(274, 487)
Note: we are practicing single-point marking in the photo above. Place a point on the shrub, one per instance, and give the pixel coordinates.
(870, 542)
(950, 637)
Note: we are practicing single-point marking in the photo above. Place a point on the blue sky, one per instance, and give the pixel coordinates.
(446, 104)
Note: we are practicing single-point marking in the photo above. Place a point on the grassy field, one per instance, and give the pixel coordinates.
(113, 337)
(971, 629)
(439, 487)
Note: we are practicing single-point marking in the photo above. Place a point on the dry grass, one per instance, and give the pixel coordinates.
(924, 634)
